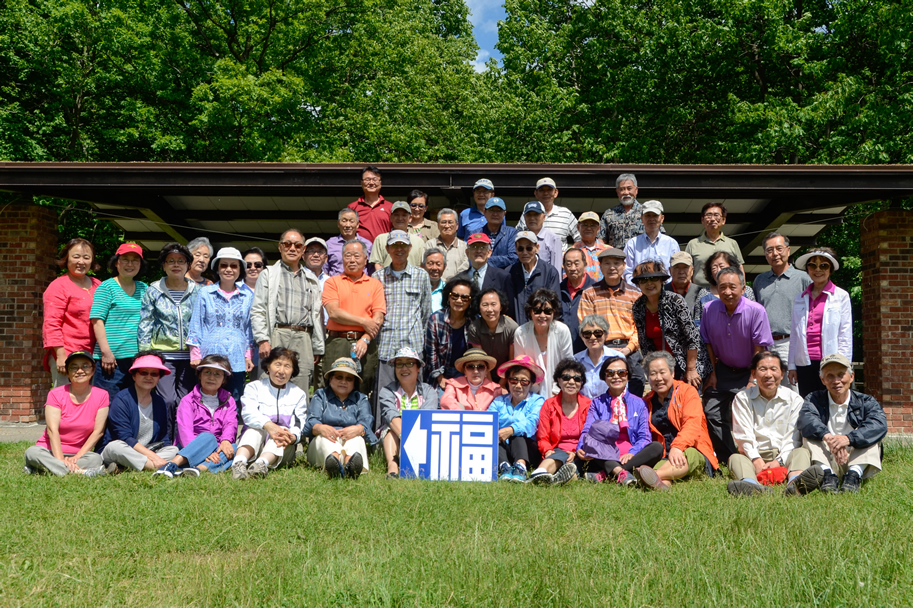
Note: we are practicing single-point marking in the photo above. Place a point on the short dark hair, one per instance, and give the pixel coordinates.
(456, 282)
(570, 364)
(773, 235)
(112, 265)
(418, 194)
(502, 298)
(174, 248)
(731, 260)
(711, 205)
(217, 359)
(281, 351)
(257, 251)
(765, 354)
(65, 253)
(577, 249)
(610, 361)
(540, 298)
(372, 169)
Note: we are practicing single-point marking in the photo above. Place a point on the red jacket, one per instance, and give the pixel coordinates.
(687, 415)
(548, 435)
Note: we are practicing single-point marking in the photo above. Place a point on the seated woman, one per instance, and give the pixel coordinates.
(474, 390)
(618, 406)
(340, 420)
(273, 410)
(561, 421)
(75, 416)
(407, 392)
(676, 419)
(137, 434)
(207, 423)
(518, 418)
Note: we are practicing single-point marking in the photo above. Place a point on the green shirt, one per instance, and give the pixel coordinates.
(702, 248)
(121, 314)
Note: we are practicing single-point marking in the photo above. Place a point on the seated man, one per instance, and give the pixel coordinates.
(764, 428)
(842, 429)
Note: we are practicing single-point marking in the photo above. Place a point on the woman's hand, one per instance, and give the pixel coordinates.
(693, 378)
(214, 457)
(548, 453)
(327, 432)
(157, 461)
(62, 361)
(248, 365)
(793, 377)
(581, 455)
(351, 432)
(677, 458)
(505, 433)
(70, 461)
(442, 381)
(108, 362)
(280, 435)
(195, 362)
(625, 458)
(226, 448)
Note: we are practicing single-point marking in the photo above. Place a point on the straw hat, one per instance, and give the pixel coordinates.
(475, 354)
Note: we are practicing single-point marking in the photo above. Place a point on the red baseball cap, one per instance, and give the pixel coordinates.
(130, 248)
(477, 238)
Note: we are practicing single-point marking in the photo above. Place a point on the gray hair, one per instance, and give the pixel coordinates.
(659, 354)
(626, 177)
(345, 210)
(199, 242)
(730, 270)
(597, 320)
(432, 251)
(364, 248)
(773, 235)
(447, 211)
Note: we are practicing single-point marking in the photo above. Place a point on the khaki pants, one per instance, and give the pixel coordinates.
(741, 467)
(300, 342)
(337, 348)
(868, 458)
(261, 443)
(697, 464)
(42, 459)
(321, 447)
(127, 457)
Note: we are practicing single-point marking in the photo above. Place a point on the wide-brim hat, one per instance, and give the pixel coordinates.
(226, 253)
(475, 354)
(526, 362)
(407, 352)
(649, 275)
(805, 257)
(344, 365)
(150, 362)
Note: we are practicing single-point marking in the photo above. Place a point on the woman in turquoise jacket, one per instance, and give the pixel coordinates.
(518, 419)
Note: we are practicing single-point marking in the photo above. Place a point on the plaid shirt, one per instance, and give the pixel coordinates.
(438, 347)
(615, 306)
(408, 308)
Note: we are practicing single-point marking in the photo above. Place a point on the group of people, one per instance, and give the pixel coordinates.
(560, 325)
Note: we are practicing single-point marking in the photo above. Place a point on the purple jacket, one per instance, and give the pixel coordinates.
(638, 419)
(194, 418)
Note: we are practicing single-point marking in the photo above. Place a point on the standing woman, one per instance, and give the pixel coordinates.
(115, 318)
(664, 323)
(493, 331)
(220, 323)
(543, 339)
(67, 302)
(445, 337)
(201, 251)
(822, 321)
(165, 324)
(254, 263)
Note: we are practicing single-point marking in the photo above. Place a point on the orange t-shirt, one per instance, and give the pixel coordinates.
(362, 297)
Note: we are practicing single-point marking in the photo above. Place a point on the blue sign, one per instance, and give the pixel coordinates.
(447, 444)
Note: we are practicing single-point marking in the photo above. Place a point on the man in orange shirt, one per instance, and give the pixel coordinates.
(356, 307)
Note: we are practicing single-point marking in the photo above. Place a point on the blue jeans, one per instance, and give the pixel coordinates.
(117, 380)
(235, 386)
(174, 387)
(197, 451)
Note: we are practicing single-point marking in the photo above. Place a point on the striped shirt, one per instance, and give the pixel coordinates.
(615, 306)
(295, 298)
(561, 222)
(121, 314)
(408, 300)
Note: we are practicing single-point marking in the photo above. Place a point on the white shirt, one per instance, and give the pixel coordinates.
(759, 425)
(837, 423)
(561, 222)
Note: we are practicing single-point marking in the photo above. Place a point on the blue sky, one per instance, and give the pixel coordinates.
(484, 15)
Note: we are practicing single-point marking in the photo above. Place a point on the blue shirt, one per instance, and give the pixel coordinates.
(471, 221)
(503, 252)
(437, 293)
(523, 417)
(221, 325)
(595, 386)
(640, 249)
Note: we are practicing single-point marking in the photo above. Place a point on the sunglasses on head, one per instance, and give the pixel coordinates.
(611, 373)
(543, 311)
(254, 265)
(568, 378)
(596, 333)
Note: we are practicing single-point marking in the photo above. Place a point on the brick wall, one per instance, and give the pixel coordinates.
(887, 313)
(28, 247)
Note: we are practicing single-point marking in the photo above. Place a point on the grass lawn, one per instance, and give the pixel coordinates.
(298, 539)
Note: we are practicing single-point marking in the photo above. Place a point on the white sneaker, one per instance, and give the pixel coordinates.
(239, 470)
(95, 472)
(190, 472)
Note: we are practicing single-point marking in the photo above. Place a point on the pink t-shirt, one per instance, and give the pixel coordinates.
(570, 433)
(76, 421)
(815, 319)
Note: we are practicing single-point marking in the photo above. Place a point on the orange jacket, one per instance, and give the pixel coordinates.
(687, 415)
(548, 435)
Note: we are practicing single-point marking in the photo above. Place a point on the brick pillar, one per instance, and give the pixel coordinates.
(887, 305)
(28, 248)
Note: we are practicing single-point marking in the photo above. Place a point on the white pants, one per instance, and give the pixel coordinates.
(868, 458)
(781, 347)
(261, 443)
(121, 453)
(321, 447)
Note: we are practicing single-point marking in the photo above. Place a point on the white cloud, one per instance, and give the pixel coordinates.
(481, 57)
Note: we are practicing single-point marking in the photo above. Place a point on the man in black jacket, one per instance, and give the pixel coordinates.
(530, 274)
(484, 275)
(842, 429)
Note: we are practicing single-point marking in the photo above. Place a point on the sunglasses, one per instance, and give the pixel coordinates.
(414, 206)
(291, 245)
(257, 265)
(587, 334)
(611, 373)
(543, 311)
(461, 297)
(568, 378)
(821, 266)
(405, 364)
(144, 373)
(516, 381)
(526, 248)
(476, 366)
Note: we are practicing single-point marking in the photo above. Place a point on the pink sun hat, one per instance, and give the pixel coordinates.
(524, 361)
(150, 362)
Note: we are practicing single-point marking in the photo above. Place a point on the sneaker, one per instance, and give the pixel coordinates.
(597, 477)
(807, 481)
(830, 483)
(542, 478)
(114, 469)
(505, 471)
(28, 470)
(354, 466)
(566, 474)
(258, 469)
(740, 487)
(392, 475)
(851, 482)
(169, 470)
(239, 470)
(625, 479)
(190, 472)
(650, 480)
(333, 467)
(95, 472)
(518, 474)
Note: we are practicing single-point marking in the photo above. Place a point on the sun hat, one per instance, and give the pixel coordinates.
(130, 248)
(474, 354)
(484, 183)
(545, 181)
(496, 201)
(805, 257)
(524, 361)
(407, 352)
(649, 275)
(150, 362)
(344, 365)
(215, 366)
(836, 358)
(599, 442)
(588, 216)
(226, 253)
(398, 236)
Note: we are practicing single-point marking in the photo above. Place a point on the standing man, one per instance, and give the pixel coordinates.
(286, 309)
(530, 273)
(454, 248)
(550, 249)
(356, 306)
(348, 231)
(435, 264)
(575, 281)
(713, 218)
(623, 222)
(681, 271)
(559, 220)
(651, 245)
(483, 275)
(418, 224)
(589, 243)
(399, 218)
(500, 235)
(315, 257)
(472, 220)
(733, 329)
(613, 300)
(407, 292)
(373, 210)
(776, 290)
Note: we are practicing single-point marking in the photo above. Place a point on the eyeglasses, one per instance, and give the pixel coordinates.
(257, 265)
(526, 248)
(291, 245)
(611, 373)
(778, 249)
(568, 378)
(713, 216)
(146, 372)
(446, 223)
(821, 266)
(371, 180)
(461, 297)
(405, 364)
(212, 372)
(543, 311)
(597, 333)
(318, 251)
(483, 247)
(176, 261)
(516, 381)
(476, 366)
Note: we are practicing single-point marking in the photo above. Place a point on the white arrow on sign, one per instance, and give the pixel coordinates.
(415, 445)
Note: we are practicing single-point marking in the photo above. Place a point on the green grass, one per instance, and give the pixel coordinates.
(297, 539)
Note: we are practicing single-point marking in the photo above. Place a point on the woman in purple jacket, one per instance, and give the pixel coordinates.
(207, 423)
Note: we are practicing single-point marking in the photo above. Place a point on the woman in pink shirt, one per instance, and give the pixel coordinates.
(474, 390)
(67, 302)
